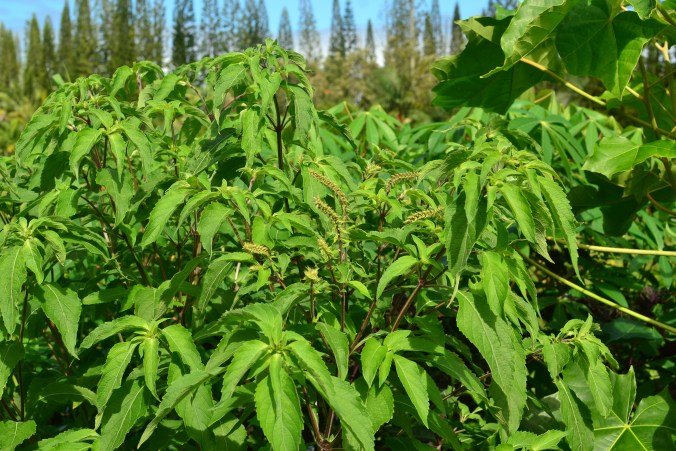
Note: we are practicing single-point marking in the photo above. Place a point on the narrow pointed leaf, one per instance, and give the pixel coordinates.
(63, 307)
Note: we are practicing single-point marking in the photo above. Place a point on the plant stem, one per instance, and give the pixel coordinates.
(24, 311)
(660, 206)
(597, 297)
(414, 294)
(567, 84)
(624, 250)
(313, 419)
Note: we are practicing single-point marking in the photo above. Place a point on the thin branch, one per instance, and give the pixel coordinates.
(597, 297)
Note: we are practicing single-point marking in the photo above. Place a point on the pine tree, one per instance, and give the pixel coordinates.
(85, 41)
(33, 69)
(370, 46)
(350, 29)
(337, 44)
(143, 26)
(264, 20)
(253, 24)
(231, 14)
(309, 44)
(437, 29)
(285, 37)
(183, 45)
(9, 62)
(429, 44)
(211, 39)
(66, 52)
(158, 23)
(122, 37)
(48, 53)
(457, 38)
(105, 12)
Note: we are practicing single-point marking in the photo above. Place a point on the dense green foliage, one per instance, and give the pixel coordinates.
(204, 260)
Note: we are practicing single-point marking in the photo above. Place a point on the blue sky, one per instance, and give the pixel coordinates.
(15, 13)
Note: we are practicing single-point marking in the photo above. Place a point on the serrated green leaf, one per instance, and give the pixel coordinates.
(498, 344)
(245, 357)
(596, 374)
(453, 366)
(176, 392)
(227, 78)
(465, 220)
(126, 406)
(372, 355)
(520, 209)
(12, 265)
(556, 356)
(380, 405)
(278, 408)
(65, 392)
(86, 139)
(63, 307)
(494, 280)
(181, 342)
(120, 189)
(339, 345)
(33, 258)
(118, 325)
(564, 220)
(252, 137)
(399, 267)
(151, 362)
(210, 221)
(414, 380)
(217, 271)
(113, 370)
(13, 433)
(164, 208)
(67, 439)
(140, 140)
(10, 354)
(580, 437)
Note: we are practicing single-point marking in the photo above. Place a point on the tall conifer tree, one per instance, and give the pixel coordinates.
(231, 23)
(437, 27)
(143, 25)
(122, 40)
(370, 43)
(429, 44)
(253, 25)
(183, 44)
(85, 40)
(158, 20)
(350, 28)
(48, 53)
(66, 50)
(103, 24)
(33, 69)
(457, 38)
(9, 64)
(309, 44)
(211, 31)
(285, 36)
(337, 44)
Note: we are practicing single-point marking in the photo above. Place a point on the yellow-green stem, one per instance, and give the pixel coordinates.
(624, 250)
(598, 298)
